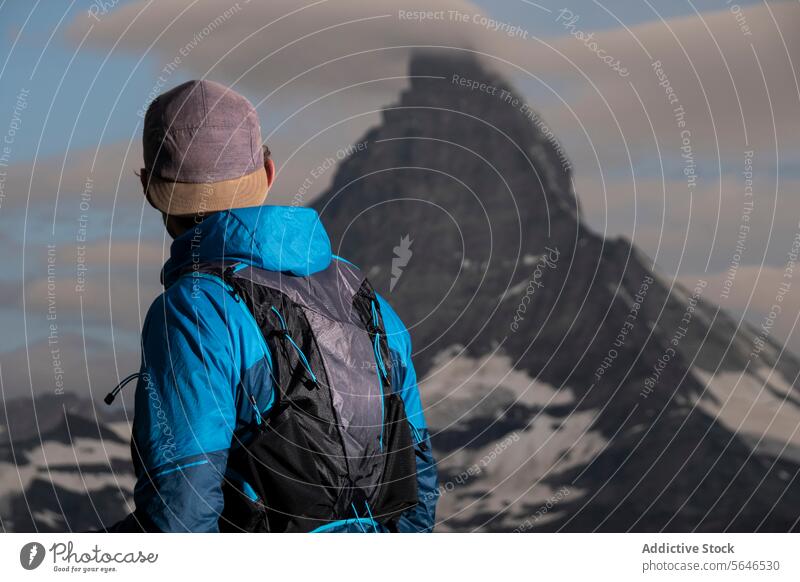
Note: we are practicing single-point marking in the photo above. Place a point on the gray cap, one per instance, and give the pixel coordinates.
(202, 150)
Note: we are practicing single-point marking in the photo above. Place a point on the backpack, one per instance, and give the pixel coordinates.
(335, 447)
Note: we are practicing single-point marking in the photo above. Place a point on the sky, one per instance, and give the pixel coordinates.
(75, 77)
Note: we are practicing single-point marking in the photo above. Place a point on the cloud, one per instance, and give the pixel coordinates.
(755, 292)
(65, 366)
(115, 282)
(715, 72)
(267, 44)
(102, 176)
(319, 73)
(684, 234)
(289, 55)
(58, 319)
(730, 108)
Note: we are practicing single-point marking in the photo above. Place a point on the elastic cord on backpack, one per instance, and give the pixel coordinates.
(358, 518)
(369, 512)
(109, 399)
(297, 349)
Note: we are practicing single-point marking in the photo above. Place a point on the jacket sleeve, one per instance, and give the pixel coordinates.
(404, 380)
(185, 411)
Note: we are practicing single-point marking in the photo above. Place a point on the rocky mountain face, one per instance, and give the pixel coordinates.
(568, 385)
(65, 465)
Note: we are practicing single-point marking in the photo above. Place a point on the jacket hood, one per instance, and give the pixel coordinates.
(276, 238)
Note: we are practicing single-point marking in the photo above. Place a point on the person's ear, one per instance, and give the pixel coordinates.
(269, 166)
(144, 177)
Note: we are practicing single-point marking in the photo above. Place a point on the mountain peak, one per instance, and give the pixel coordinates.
(602, 373)
(445, 63)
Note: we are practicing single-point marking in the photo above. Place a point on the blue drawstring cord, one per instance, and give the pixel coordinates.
(297, 349)
(358, 522)
(369, 512)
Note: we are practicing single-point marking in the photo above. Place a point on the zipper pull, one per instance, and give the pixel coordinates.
(256, 410)
(227, 276)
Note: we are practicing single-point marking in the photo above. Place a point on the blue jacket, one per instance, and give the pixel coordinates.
(201, 352)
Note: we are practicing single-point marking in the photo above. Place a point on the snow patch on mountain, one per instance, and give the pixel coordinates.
(73, 468)
(535, 436)
(761, 405)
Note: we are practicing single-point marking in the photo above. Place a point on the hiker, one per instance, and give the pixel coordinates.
(276, 390)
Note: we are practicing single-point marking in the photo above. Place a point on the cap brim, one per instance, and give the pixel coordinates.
(183, 198)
